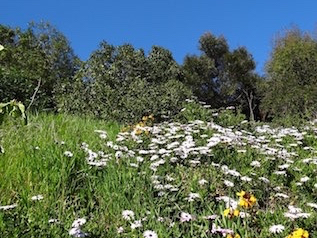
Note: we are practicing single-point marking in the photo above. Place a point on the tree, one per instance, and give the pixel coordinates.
(161, 65)
(292, 75)
(242, 80)
(35, 64)
(124, 84)
(222, 77)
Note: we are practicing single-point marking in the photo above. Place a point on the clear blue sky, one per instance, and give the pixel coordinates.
(174, 24)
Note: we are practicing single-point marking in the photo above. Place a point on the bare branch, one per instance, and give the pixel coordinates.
(34, 94)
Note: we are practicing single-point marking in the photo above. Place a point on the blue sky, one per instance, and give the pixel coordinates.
(174, 24)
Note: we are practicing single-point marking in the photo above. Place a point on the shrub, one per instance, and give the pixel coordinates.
(229, 117)
(193, 110)
(118, 83)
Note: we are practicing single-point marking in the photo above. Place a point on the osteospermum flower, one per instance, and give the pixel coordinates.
(128, 215)
(247, 200)
(228, 183)
(299, 233)
(136, 224)
(79, 222)
(202, 181)
(8, 207)
(77, 232)
(37, 197)
(149, 234)
(185, 217)
(276, 228)
(68, 154)
(120, 230)
(192, 196)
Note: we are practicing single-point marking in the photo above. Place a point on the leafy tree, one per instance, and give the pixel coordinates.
(122, 83)
(222, 77)
(292, 75)
(162, 66)
(242, 82)
(35, 64)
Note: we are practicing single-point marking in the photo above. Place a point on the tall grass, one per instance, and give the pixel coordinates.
(173, 176)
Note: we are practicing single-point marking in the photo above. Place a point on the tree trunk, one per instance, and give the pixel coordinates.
(250, 101)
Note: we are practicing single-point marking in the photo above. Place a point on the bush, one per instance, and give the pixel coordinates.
(291, 71)
(193, 110)
(35, 63)
(229, 117)
(118, 83)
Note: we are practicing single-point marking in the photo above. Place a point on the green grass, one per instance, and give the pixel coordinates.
(34, 163)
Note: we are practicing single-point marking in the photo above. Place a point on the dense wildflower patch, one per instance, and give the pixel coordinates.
(194, 179)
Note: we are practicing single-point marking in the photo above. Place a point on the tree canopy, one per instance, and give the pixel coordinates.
(34, 64)
(292, 75)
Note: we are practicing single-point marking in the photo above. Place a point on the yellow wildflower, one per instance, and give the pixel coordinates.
(231, 213)
(247, 200)
(299, 233)
(138, 131)
(235, 236)
(151, 117)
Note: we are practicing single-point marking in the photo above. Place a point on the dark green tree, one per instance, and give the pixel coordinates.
(35, 64)
(222, 77)
(292, 75)
(241, 83)
(122, 83)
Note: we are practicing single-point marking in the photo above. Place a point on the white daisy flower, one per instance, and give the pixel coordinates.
(149, 234)
(192, 196)
(120, 230)
(128, 215)
(76, 232)
(8, 207)
(229, 183)
(276, 229)
(314, 205)
(256, 164)
(185, 217)
(68, 154)
(202, 181)
(79, 222)
(37, 197)
(136, 224)
(304, 179)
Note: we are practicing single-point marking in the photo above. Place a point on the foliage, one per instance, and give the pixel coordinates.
(229, 117)
(196, 179)
(34, 64)
(292, 75)
(222, 77)
(122, 83)
(193, 110)
(14, 110)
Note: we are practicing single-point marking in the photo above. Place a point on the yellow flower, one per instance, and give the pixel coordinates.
(236, 212)
(151, 117)
(226, 212)
(235, 236)
(138, 131)
(231, 213)
(247, 200)
(299, 233)
(145, 118)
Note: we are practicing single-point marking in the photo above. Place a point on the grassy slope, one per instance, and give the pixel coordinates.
(34, 163)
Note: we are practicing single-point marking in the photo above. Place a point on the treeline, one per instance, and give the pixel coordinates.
(39, 68)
